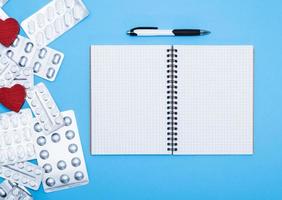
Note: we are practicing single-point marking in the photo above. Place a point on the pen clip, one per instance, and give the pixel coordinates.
(138, 28)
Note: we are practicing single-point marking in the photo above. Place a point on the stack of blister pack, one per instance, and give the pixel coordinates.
(48, 135)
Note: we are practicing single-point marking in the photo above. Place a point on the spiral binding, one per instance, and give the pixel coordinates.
(172, 100)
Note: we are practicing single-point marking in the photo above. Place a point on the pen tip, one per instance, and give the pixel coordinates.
(205, 32)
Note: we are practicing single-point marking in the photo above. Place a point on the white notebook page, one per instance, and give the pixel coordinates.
(215, 101)
(128, 101)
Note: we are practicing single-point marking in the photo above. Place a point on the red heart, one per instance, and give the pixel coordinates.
(13, 98)
(9, 30)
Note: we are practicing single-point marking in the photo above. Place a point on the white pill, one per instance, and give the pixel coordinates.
(59, 26)
(24, 180)
(3, 194)
(20, 152)
(70, 134)
(59, 120)
(20, 165)
(59, 6)
(30, 150)
(40, 20)
(50, 73)
(55, 137)
(27, 134)
(31, 27)
(16, 42)
(8, 173)
(23, 61)
(72, 148)
(61, 165)
(41, 141)
(50, 182)
(8, 139)
(47, 168)
(27, 72)
(39, 38)
(50, 14)
(36, 67)
(10, 53)
(42, 53)
(56, 59)
(44, 154)
(78, 176)
(64, 179)
(69, 3)
(77, 12)
(68, 18)
(68, 121)
(16, 177)
(28, 47)
(49, 32)
(11, 154)
(75, 162)
(17, 138)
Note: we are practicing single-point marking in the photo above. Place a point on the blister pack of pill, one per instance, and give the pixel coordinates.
(60, 155)
(45, 61)
(16, 137)
(3, 2)
(9, 70)
(53, 20)
(44, 108)
(12, 191)
(23, 173)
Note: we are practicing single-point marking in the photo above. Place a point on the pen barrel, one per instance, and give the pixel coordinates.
(186, 32)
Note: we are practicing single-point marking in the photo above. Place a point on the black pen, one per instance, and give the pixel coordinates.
(154, 31)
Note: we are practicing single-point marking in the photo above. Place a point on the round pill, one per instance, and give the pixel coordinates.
(70, 134)
(41, 140)
(47, 127)
(50, 73)
(47, 168)
(36, 67)
(31, 27)
(75, 162)
(2, 192)
(78, 175)
(44, 154)
(64, 179)
(67, 121)
(73, 148)
(61, 165)
(59, 120)
(50, 182)
(37, 127)
(42, 118)
(55, 137)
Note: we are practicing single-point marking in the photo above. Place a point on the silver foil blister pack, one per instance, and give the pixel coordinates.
(60, 155)
(12, 191)
(45, 62)
(23, 173)
(44, 108)
(16, 137)
(53, 20)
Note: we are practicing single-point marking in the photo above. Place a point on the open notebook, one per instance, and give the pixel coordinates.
(171, 100)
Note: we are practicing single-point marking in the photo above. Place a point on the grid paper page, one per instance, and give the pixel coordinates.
(215, 100)
(128, 101)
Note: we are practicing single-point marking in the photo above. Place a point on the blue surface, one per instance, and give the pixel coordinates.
(175, 177)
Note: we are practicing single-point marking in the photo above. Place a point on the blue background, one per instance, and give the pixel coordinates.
(253, 22)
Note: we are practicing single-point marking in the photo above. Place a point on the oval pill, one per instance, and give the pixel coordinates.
(40, 20)
(36, 67)
(39, 38)
(49, 32)
(69, 3)
(56, 59)
(23, 61)
(77, 12)
(59, 26)
(68, 19)
(50, 13)
(50, 73)
(59, 6)
(42, 53)
(31, 27)
(10, 54)
(28, 48)
(16, 42)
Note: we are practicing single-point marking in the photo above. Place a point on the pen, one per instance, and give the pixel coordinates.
(155, 31)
